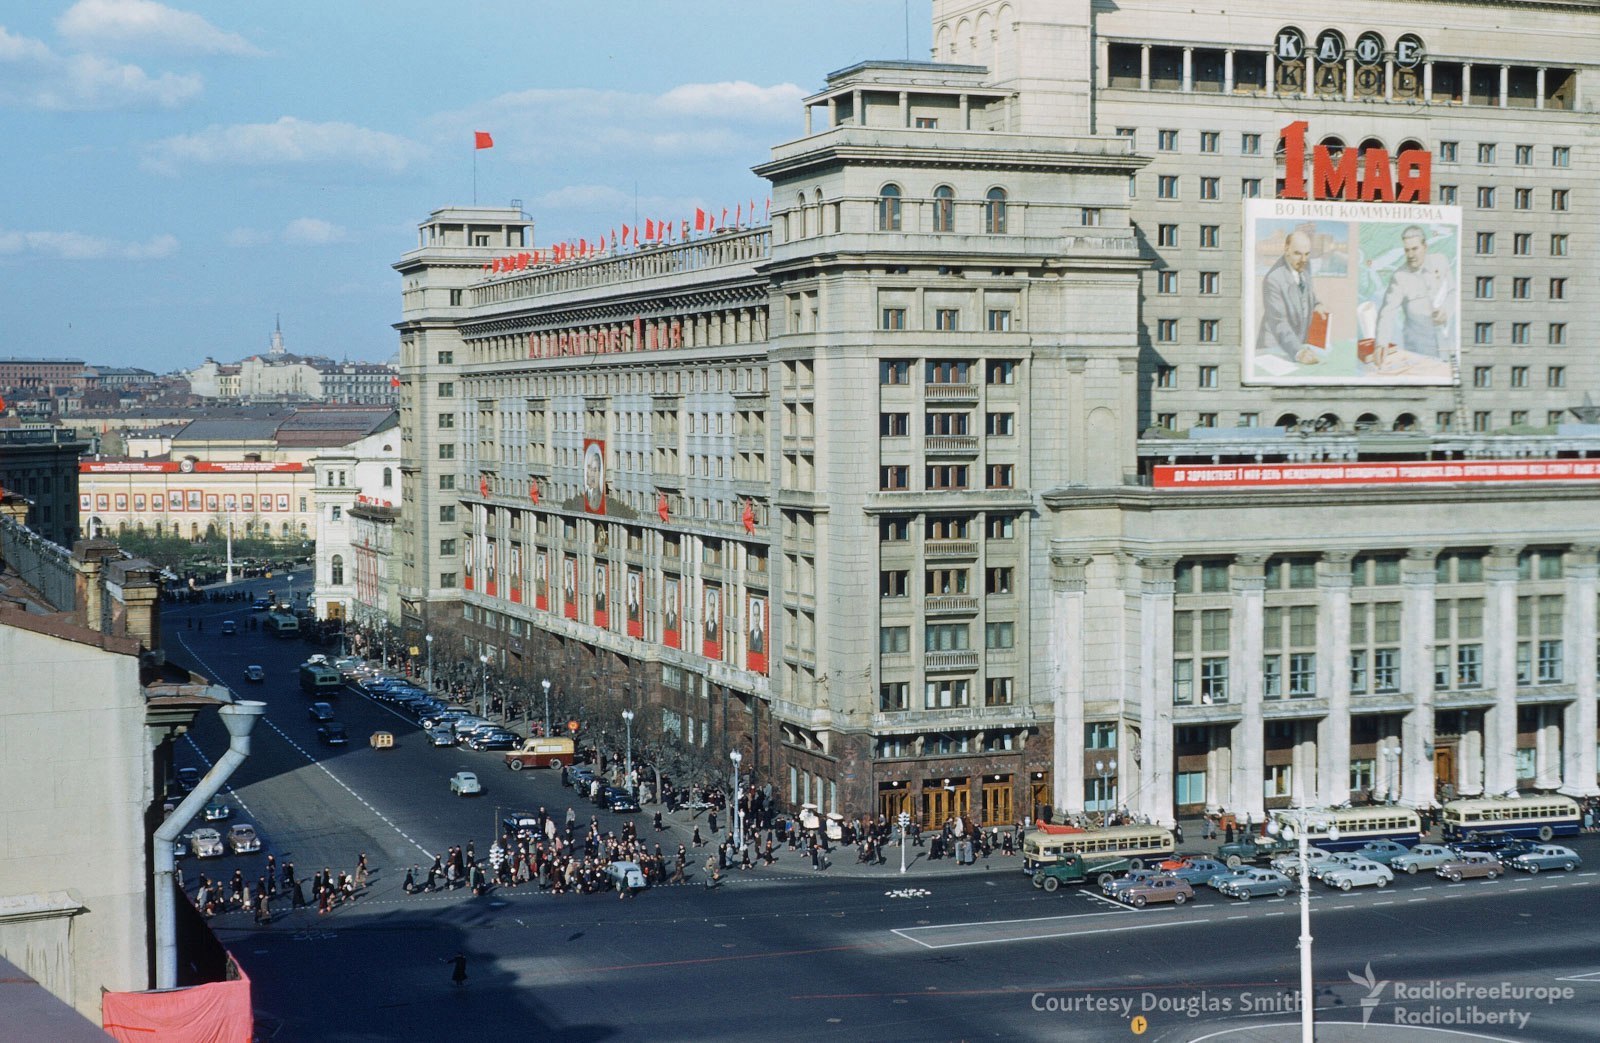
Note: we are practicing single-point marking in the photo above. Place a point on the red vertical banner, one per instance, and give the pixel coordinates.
(569, 586)
(635, 595)
(672, 612)
(602, 595)
(711, 621)
(541, 580)
(515, 573)
(466, 561)
(491, 559)
(755, 649)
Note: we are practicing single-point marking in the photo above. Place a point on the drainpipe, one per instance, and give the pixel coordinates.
(240, 718)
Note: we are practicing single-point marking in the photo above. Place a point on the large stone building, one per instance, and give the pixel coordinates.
(356, 485)
(1061, 442)
(41, 464)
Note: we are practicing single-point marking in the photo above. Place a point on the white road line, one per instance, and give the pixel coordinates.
(1045, 937)
(1376, 904)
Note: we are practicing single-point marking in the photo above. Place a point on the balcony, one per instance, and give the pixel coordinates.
(935, 550)
(950, 392)
(950, 662)
(951, 604)
(951, 445)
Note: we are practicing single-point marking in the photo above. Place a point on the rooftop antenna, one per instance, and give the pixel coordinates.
(908, 30)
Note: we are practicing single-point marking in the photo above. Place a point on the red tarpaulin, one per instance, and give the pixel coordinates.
(215, 1013)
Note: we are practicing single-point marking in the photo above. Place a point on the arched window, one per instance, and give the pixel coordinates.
(336, 570)
(822, 224)
(285, 530)
(1288, 420)
(388, 477)
(944, 209)
(994, 211)
(800, 208)
(889, 208)
(1405, 422)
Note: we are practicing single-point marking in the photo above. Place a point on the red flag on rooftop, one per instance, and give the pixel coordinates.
(625, 232)
(749, 517)
(738, 215)
(394, 382)
(482, 139)
(724, 222)
(661, 506)
(699, 220)
(649, 229)
(533, 490)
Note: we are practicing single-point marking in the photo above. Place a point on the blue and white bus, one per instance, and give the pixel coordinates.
(1356, 826)
(1541, 817)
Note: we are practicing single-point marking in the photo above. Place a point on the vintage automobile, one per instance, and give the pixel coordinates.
(1470, 864)
(1423, 856)
(207, 843)
(242, 838)
(1158, 889)
(1384, 852)
(1362, 872)
(1546, 856)
(1251, 882)
(1289, 865)
(626, 876)
(1195, 869)
(465, 784)
(254, 674)
(216, 811)
(381, 740)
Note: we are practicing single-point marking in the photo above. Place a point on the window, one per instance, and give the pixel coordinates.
(1000, 526)
(1209, 140)
(447, 358)
(1166, 376)
(1556, 377)
(1486, 197)
(1000, 635)
(1167, 186)
(447, 579)
(997, 691)
(1524, 155)
(447, 481)
(1485, 243)
(946, 476)
(1560, 156)
(893, 319)
(1480, 421)
(1205, 420)
(1000, 424)
(948, 371)
(1209, 282)
(1558, 333)
(1001, 476)
(894, 640)
(1167, 281)
(894, 530)
(895, 695)
(1166, 235)
(1208, 376)
(1485, 153)
(1166, 331)
(946, 319)
(1447, 151)
(1208, 187)
(1483, 288)
(994, 211)
(941, 423)
(1519, 333)
(894, 371)
(1521, 288)
(447, 451)
(1167, 421)
(1250, 144)
(447, 389)
(1483, 333)
(1000, 372)
(1127, 132)
(1519, 417)
(1558, 289)
(1558, 245)
(889, 208)
(944, 209)
(1100, 735)
(1208, 237)
(447, 512)
(894, 425)
(1089, 216)
(1250, 188)
(447, 420)
(1249, 419)
(947, 637)
(1522, 199)
(1522, 244)
(939, 695)
(1447, 195)
(997, 580)
(447, 548)
(999, 320)
(1558, 199)
(1167, 140)
(1483, 376)
(927, 123)
(388, 478)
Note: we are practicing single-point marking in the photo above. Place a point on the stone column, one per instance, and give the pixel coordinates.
(1069, 581)
(1416, 626)
(1388, 79)
(1538, 86)
(1500, 670)
(1578, 641)
(1272, 74)
(1427, 82)
(1227, 71)
(1466, 83)
(1469, 762)
(1154, 797)
(1333, 676)
(1249, 585)
(1144, 67)
(905, 109)
(1505, 85)
(1188, 69)
(965, 105)
(1350, 78)
(859, 112)
(1547, 750)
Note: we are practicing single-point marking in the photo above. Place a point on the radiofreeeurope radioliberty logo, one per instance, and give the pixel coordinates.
(1454, 1003)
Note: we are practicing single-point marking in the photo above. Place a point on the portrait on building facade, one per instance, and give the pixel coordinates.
(1350, 293)
(672, 596)
(594, 476)
(602, 590)
(569, 580)
(541, 579)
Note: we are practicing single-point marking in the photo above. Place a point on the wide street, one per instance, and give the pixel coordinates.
(787, 953)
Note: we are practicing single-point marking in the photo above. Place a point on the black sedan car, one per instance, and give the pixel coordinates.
(320, 712)
(332, 734)
(613, 799)
(493, 741)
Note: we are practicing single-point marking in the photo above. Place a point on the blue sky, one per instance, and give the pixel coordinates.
(178, 174)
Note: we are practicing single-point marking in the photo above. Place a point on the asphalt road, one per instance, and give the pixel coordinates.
(778, 957)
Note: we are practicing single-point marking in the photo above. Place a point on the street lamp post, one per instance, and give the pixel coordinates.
(428, 640)
(1296, 823)
(905, 820)
(483, 700)
(1105, 771)
(627, 719)
(1391, 758)
(736, 757)
(546, 685)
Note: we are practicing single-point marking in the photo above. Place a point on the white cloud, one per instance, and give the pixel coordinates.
(33, 76)
(144, 24)
(736, 100)
(302, 231)
(75, 246)
(289, 141)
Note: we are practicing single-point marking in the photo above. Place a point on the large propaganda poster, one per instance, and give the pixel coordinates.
(569, 586)
(756, 650)
(672, 620)
(635, 603)
(711, 617)
(602, 595)
(491, 559)
(594, 476)
(515, 571)
(1350, 293)
(466, 561)
(541, 580)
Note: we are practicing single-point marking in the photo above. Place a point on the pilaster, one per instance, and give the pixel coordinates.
(1154, 797)
(1248, 582)
(1333, 676)
(1578, 723)
(1416, 729)
(1500, 670)
(1068, 583)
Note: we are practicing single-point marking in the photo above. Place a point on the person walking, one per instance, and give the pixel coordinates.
(713, 874)
(458, 973)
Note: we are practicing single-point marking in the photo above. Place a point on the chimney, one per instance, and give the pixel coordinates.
(88, 560)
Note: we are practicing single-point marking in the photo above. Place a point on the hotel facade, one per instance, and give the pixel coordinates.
(982, 480)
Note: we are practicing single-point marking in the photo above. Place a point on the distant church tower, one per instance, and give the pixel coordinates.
(277, 337)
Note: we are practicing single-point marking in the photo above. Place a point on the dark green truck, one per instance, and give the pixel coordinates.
(1073, 869)
(1254, 849)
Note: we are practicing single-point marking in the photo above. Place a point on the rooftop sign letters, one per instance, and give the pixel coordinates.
(1351, 174)
(1325, 61)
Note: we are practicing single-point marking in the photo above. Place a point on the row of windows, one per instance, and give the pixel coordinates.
(946, 637)
(896, 583)
(1488, 151)
(1368, 570)
(1521, 288)
(897, 477)
(1481, 421)
(944, 209)
(1169, 186)
(1521, 244)
(1554, 376)
(1521, 198)
(946, 371)
(996, 526)
(943, 694)
(947, 320)
(898, 425)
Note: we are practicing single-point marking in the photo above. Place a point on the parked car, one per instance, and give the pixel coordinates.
(440, 736)
(1470, 864)
(242, 838)
(229, 628)
(1384, 852)
(332, 734)
(493, 741)
(1255, 849)
(320, 712)
(207, 843)
(1362, 872)
(626, 876)
(1546, 856)
(614, 799)
(1158, 889)
(188, 779)
(260, 605)
(465, 784)
(1196, 870)
(216, 811)
(1502, 845)
(1249, 883)
(1132, 878)
(254, 674)
(1422, 856)
(1334, 861)
(350, 665)
(447, 717)
(1289, 865)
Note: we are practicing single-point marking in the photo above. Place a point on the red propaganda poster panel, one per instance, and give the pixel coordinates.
(635, 603)
(602, 595)
(515, 572)
(711, 645)
(672, 596)
(541, 581)
(569, 587)
(491, 560)
(756, 616)
(594, 476)
(1378, 472)
(466, 562)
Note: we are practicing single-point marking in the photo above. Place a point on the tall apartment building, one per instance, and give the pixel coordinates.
(978, 480)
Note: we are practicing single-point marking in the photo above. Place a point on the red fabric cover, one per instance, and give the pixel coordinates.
(214, 1013)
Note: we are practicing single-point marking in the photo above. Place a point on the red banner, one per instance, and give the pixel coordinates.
(602, 595)
(635, 604)
(516, 574)
(1418, 472)
(569, 587)
(672, 622)
(541, 581)
(187, 467)
(711, 617)
(755, 654)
